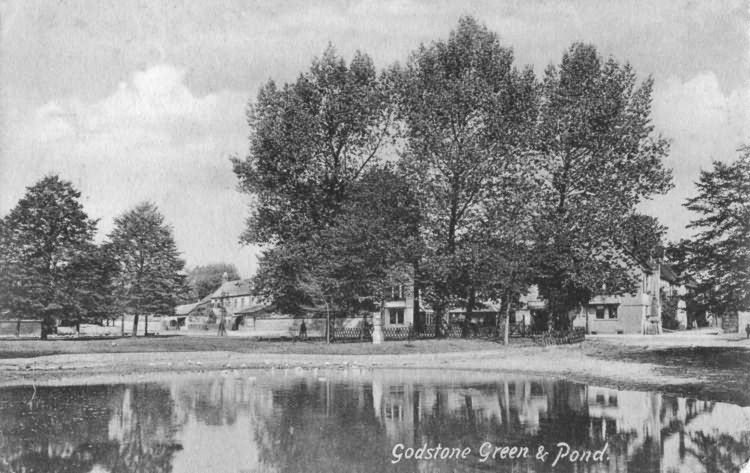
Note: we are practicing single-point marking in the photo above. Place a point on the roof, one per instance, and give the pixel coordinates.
(252, 309)
(241, 287)
(186, 309)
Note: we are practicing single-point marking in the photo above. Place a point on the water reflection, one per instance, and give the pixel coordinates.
(349, 421)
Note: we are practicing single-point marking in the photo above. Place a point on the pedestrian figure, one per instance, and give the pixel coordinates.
(303, 331)
(222, 327)
(747, 330)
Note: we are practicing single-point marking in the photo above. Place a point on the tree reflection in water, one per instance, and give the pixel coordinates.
(70, 429)
(302, 423)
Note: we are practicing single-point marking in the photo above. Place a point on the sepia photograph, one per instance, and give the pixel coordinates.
(374, 236)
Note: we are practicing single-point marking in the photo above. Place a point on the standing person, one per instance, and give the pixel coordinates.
(222, 327)
(303, 331)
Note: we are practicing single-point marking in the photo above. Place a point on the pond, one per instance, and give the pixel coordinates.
(360, 420)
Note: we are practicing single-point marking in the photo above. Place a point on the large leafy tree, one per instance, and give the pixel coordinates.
(468, 114)
(719, 254)
(42, 239)
(600, 158)
(372, 244)
(203, 280)
(150, 274)
(310, 141)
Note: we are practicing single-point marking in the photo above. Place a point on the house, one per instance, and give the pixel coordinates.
(185, 312)
(629, 313)
(399, 306)
(233, 296)
(639, 312)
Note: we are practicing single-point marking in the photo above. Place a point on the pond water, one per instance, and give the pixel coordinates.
(359, 420)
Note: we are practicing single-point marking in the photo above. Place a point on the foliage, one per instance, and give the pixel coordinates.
(467, 114)
(600, 158)
(643, 237)
(719, 255)
(149, 268)
(203, 280)
(371, 245)
(669, 307)
(89, 285)
(311, 141)
(45, 242)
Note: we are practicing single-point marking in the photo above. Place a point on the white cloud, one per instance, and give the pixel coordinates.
(151, 139)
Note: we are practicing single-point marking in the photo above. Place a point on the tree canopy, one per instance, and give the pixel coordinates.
(468, 115)
(719, 254)
(311, 140)
(45, 242)
(600, 157)
(150, 275)
(504, 180)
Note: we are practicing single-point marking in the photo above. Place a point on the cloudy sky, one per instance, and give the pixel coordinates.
(142, 100)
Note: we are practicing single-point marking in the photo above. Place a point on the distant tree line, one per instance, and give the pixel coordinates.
(51, 268)
(457, 170)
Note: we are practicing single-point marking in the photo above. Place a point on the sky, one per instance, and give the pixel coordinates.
(135, 100)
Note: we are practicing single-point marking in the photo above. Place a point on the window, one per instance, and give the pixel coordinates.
(396, 316)
(608, 311)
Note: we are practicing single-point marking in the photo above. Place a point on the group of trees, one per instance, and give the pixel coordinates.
(458, 170)
(50, 266)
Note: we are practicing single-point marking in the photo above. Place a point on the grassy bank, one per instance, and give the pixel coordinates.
(153, 344)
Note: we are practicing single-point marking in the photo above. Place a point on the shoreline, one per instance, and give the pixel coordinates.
(676, 366)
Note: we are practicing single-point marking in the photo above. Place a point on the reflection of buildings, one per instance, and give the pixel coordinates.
(517, 404)
(349, 421)
(679, 434)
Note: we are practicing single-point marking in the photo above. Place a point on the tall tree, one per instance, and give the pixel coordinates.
(600, 158)
(310, 140)
(150, 275)
(467, 113)
(719, 255)
(41, 237)
(372, 244)
(203, 280)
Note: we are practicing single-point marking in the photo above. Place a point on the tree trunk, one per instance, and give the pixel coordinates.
(135, 325)
(439, 322)
(506, 329)
(418, 321)
(469, 309)
(122, 325)
(145, 326)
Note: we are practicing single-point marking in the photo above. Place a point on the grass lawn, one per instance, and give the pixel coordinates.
(33, 348)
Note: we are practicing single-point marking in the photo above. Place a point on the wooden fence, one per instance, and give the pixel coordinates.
(554, 337)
